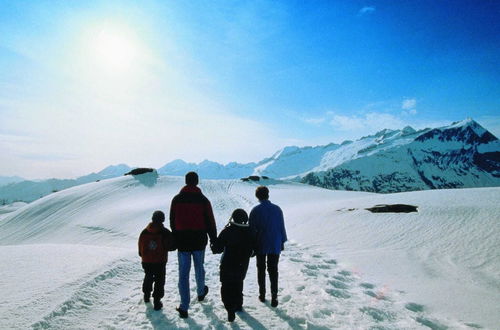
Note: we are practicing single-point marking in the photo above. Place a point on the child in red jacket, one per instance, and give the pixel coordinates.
(154, 243)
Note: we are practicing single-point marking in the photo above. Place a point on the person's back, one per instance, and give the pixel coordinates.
(268, 224)
(191, 220)
(154, 243)
(236, 242)
(266, 221)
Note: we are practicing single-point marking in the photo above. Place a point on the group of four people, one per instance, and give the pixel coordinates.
(191, 220)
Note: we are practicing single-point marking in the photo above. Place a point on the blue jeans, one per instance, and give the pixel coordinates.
(184, 258)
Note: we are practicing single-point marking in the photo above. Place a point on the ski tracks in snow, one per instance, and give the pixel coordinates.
(316, 292)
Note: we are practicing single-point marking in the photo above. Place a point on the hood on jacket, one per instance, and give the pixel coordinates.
(191, 189)
(154, 227)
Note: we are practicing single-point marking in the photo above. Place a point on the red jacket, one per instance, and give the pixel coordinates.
(154, 243)
(192, 219)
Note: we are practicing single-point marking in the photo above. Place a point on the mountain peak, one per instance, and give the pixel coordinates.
(115, 170)
(468, 131)
(408, 130)
(285, 151)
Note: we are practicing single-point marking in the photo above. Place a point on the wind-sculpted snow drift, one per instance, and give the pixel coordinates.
(69, 260)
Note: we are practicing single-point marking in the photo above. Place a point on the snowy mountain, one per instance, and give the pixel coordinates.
(461, 155)
(4, 180)
(208, 169)
(28, 191)
(344, 267)
(291, 161)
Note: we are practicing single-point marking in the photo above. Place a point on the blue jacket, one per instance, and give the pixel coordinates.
(266, 220)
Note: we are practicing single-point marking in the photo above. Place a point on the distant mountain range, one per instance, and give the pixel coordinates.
(460, 155)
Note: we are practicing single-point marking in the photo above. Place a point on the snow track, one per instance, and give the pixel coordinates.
(103, 289)
(71, 262)
(315, 293)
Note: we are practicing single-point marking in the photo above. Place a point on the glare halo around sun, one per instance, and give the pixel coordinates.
(114, 50)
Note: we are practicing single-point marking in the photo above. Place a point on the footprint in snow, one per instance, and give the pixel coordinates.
(331, 261)
(417, 308)
(378, 314)
(338, 293)
(379, 296)
(338, 284)
(433, 324)
(367, 285)
(345, 273)
(300, 288)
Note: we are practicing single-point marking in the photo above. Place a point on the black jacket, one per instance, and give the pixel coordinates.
(237, 245)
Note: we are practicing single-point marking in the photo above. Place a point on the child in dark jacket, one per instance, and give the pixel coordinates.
(236, 242)
(154, 243)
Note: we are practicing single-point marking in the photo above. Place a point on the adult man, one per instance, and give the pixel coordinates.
(154, 243)
(266, 220)
(191, 219)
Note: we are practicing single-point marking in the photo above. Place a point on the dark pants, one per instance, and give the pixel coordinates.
(232, 295)
(271, 261)
(154, 273)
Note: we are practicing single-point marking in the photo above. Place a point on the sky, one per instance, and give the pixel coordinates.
(87, 84)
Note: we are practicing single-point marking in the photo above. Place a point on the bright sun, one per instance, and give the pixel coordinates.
(114, 50)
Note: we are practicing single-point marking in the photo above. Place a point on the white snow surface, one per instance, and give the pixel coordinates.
(69, 260)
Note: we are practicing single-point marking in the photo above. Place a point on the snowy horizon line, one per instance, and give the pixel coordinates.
(466, 121)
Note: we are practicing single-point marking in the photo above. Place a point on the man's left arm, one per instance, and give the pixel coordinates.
(210, 222)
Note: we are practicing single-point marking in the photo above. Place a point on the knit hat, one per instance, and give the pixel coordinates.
(158, 217)
(239, 217)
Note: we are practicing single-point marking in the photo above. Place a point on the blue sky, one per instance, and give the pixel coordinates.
(85, 84)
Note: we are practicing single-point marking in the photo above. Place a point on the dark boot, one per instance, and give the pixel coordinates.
(202, 297)
(274, 301)
(157, 304)
(231, 316)
(182, 313)
(147, 297)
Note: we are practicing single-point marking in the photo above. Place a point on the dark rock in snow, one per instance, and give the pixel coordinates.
(393, 208)
(140, 170)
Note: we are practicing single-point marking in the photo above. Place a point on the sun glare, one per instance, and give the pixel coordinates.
(114, 50)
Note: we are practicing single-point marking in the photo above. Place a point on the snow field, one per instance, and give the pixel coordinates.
(344, 268)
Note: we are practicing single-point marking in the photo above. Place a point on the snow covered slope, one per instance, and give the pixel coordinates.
(208, 169)
(28, 191)
(69, 260)
(4, 180)
(462, 155)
